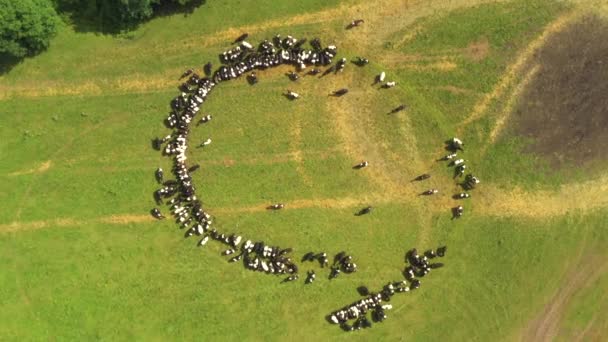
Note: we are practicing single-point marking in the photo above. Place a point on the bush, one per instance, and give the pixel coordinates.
(26, 26)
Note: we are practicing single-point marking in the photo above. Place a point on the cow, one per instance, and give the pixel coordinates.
(422, 177)
(397, 109)
(361, 165)
(159, 175)
(205, 143)
(429, 192)
(157, 214)
(310, 277)
(292, 95)
(276, 206)
(339, 92)
(241, 38)
(354, 23)
(364, 211)
(359, 61)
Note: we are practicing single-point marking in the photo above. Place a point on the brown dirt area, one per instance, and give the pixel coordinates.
(478, 50)
(564, 110)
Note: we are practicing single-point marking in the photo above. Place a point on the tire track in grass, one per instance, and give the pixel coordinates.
(516, 68)
(583, 197)
(508, 108)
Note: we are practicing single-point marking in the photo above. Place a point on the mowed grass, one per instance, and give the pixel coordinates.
(94, 280)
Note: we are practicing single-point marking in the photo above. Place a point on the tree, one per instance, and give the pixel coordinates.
(26, 26)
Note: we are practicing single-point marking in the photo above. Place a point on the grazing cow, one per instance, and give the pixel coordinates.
(159, 175)
(457, 162)
(310, 256)
(314, 72)
(236, 258)
(291, 278)
(228, 252)
(322, 257)
(389, 85)
(205, 143)
(459, 170)
(207, 68)
(429, 192)
(398, 109)
(340, 65)
(441, 251)
(422, 177)
(157, 214)
(252, 78)
(457, 211)
(430, 254)
(335, 272)
(436, 265)
(203, 241)
(455, 144)
(354, 23)
(449, 156)
(462, 195)
(292, 95)
(241, 38)
(187, 73)
(339, 92)
(194, 168)
(339, 257)
(364, 211)
(470, 182)
(310, 277)
(276, 206)
(361, 165)
(246, 46)
(293, 76)
(204, 119)
(380, 78)
(361, 61)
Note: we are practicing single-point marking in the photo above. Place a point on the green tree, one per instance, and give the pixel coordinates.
(26, 26)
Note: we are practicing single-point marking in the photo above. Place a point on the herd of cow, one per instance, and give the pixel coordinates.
(187, 209)
(418, 267)
(470, 181)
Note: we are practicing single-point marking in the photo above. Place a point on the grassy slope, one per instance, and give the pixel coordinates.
(145, 281)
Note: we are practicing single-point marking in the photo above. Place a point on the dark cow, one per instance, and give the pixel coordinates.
(339, 92)
(422, 177)
(354, 23)
(364, 211)
(157, 214)
(276, 206)
(241, 38)
(159, 175)
(398, 109)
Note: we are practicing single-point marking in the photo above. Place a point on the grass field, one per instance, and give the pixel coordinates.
(81, 260)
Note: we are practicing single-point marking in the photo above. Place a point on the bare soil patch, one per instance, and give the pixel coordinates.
(564, 110)
(478, 50)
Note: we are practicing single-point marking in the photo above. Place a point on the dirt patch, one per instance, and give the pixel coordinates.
(125, 219)
(40, 169)
(565, 108)
(477, 51)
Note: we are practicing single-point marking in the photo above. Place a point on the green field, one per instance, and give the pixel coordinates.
(81, 259)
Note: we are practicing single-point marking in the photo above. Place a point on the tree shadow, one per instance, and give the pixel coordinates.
(89, 17)
(8, 62)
